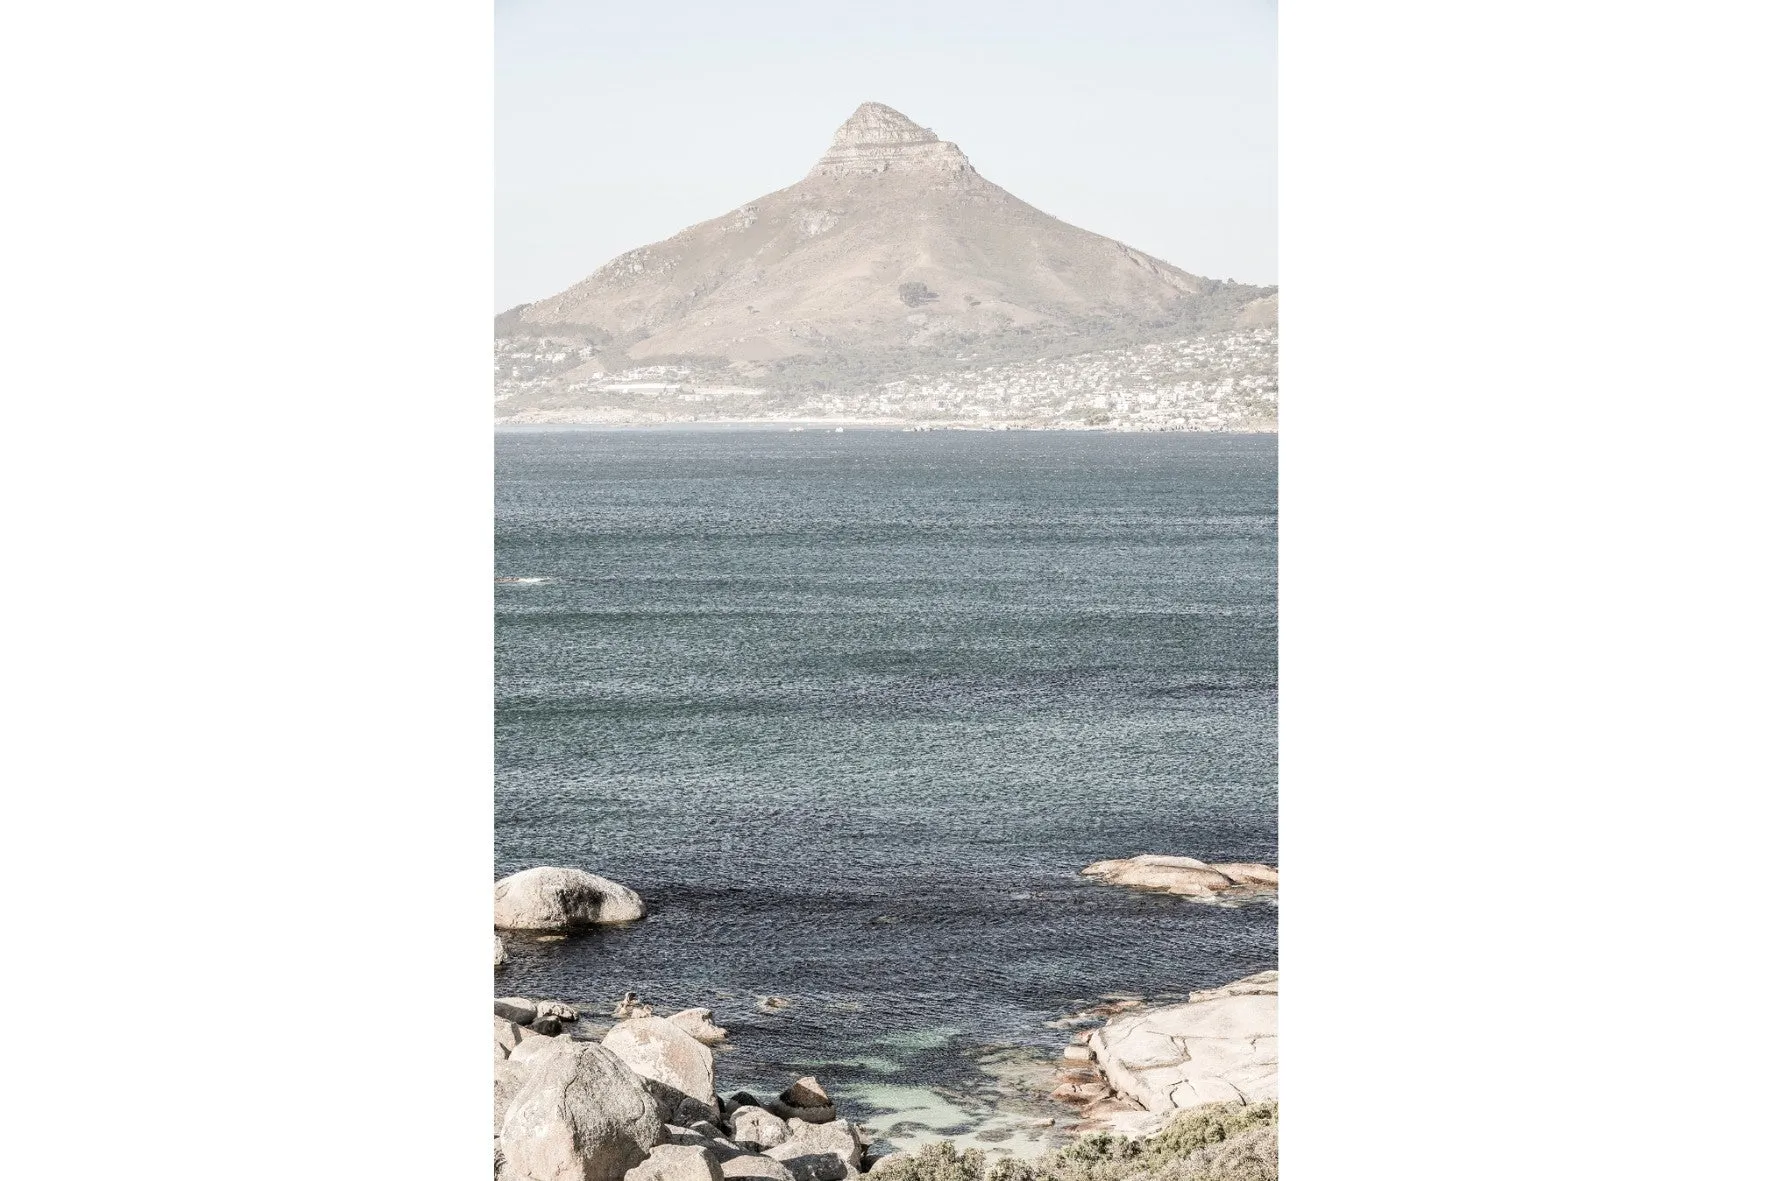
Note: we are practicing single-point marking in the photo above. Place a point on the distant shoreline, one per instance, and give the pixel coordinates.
(832, 426)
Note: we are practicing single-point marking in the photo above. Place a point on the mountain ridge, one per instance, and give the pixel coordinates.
(890, 252)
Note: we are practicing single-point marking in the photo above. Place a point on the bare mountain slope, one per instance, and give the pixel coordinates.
(892, 245)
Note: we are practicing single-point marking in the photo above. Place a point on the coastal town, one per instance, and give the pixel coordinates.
(1224, 381)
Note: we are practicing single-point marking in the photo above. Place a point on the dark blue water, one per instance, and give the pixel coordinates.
(851, 711)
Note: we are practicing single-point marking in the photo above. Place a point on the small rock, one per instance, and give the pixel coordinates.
(1081, 1092)
(629, 1006)
(852, 1130)
(676, 1162)
(773, 1004)
(722, 1146)
(805, 1115)
(699, 1024)
(517, 1010)
(1078, 1053)
(806, 1092)
(702, 1134)
(500, 957)
(754, 1167)
(556, 1010)
(546, 1026)
(1110, 1106)
(753, 1125)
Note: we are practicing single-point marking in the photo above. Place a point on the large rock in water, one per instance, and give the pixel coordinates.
(805, 1100)
(549, 898)
(581, 1115)
(679, 1071)
(1189, 877)
(1224, 1048)
(699, 1024)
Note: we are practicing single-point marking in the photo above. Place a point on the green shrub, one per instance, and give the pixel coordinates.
(1220, 1142)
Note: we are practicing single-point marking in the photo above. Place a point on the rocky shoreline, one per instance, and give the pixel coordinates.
(636, 1100)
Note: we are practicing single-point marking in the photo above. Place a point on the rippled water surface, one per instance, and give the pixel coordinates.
(851, 711)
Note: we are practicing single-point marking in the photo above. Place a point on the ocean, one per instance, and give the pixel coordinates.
(851, 711)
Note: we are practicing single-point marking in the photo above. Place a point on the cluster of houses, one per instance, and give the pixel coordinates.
(1225, 381)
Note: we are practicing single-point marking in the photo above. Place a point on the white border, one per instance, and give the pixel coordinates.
(248, 254)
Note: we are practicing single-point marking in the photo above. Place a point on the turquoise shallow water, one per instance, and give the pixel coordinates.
(851, 711)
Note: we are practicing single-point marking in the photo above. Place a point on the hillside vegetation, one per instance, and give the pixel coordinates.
(1220, 1142)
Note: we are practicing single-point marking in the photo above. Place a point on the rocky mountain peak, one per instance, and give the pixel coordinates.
(877, 138)
(877, 123)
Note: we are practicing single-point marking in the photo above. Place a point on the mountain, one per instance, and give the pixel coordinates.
(892, 253)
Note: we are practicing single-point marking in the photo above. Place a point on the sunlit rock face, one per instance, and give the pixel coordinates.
(878, 139)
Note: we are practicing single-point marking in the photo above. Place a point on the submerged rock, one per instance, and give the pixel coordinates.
(1249, 873)
(551, 898)
(580, 1115)
(1081, 1092)
(1189, 877)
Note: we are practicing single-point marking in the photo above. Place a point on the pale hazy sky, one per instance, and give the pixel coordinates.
(1150, 121)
